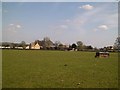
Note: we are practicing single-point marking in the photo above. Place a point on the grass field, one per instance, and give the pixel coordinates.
(47, 69)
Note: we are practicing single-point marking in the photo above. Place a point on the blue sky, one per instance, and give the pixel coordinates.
(93, 23)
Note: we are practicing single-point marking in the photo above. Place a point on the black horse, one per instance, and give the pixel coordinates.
(97, 54)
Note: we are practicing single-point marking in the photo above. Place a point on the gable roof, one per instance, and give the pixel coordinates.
(36, 42)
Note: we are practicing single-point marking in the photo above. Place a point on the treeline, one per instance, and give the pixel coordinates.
(13, 45)
(47, 44)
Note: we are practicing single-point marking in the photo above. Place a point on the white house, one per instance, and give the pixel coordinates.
(35, 46)
(27, 47)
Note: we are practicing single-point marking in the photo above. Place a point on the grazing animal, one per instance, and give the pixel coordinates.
(97, 54)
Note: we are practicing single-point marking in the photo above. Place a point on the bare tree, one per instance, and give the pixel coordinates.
(117, 43)
(79, 45)
(23, 44)
(57, 43)
(47, 42)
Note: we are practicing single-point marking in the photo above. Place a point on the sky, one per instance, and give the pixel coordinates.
(93, 23)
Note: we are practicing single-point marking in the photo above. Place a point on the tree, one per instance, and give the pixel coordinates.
(70, 47)
(37, 41)
(89, 47)
(57, 43)
(74, 46)
(47, 43)
(46, 39)
(95, 49)
(12, 45)
(61, 46)
(23, 44)
(79, 45)
(117, 43)
(5, 44)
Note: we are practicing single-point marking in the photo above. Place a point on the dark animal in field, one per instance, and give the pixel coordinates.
(97, 54)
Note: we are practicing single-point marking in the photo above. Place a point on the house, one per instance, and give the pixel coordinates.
(35, 45)
(27, 47)
(2, 47)
(20, 47)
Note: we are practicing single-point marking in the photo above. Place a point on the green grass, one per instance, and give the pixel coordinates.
(45, 69)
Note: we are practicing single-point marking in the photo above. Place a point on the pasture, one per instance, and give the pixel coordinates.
(58, 69)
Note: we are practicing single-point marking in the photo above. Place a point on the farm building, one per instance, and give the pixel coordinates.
(27, 47)
(35, 45)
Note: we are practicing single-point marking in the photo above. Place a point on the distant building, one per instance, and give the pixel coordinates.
(2, 47)
(34, 45)
(20, 47)
(27, 47)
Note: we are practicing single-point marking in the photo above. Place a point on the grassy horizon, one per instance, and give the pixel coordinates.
(58, 69)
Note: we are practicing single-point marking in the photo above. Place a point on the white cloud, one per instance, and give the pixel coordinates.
(64, 26)
(67, 20)
(103, 27)
(14, 27)
(81, 20)
(11, 24)
(18, 26)
(87, 7)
